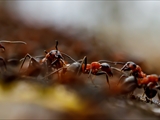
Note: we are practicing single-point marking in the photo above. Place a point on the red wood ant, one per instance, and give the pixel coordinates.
(81, 66)
(136, 78)
(97, 68)
(44, 64)
(149, 83)
(130, 68)
(134, 68)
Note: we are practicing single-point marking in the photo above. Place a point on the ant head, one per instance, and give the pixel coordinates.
(55, 54)
(129, 66)
(56, 45)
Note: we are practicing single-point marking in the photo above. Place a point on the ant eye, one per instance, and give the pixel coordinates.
(134, 65)
(59, 56)
(128, 64)
(50, 53)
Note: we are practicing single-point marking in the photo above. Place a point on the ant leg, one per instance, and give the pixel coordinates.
(90, 72)
(84, 62)
(107, 61)
(142, 96)
(93, 82)
(54, 62)
(24, 59)
(102, 73)
(119, 70)
(4, 63)
(157, 87)
(120, 79)
(3, 48)
(68, 56)
(52, 73)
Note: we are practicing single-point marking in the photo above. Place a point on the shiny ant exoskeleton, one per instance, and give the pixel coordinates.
(130, 68)
(81, 66)
(136, 78)
(149, 83)
(41, 65)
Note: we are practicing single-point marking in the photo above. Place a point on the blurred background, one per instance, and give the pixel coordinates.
(127, 27)
(111, 30)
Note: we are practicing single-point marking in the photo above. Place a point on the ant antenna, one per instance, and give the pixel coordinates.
(56, 46)
(111, 62)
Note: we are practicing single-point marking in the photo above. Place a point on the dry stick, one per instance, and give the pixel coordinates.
(13, 42)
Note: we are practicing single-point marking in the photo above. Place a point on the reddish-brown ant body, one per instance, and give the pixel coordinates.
(136, 78)
(97, 68)
(51, 61)
(81, 66)
(149, 83)
(130, 68)
(134, 68)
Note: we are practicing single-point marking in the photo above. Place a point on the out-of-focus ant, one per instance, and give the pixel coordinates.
(41, 65)
(95, 68)
(149, 83)
(3, 48)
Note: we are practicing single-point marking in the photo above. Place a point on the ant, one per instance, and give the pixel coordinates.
(97, 68)
(40, 64)
(149, 83)
(81, 66)
(130, 68)
(134, 68)
(136, 78)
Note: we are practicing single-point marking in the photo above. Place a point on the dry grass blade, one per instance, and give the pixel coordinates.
(13, 42)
